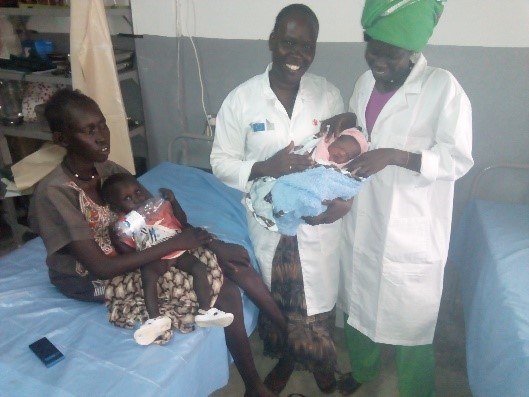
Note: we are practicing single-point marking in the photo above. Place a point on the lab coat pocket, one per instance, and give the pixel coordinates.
(408, 240)
(329, 237)
(409, 301)
(320, 240)
(417, 143)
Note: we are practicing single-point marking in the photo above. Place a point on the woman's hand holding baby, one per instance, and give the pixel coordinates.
(282, 163)
(376, 160)
(191, 237)
(336, 209)
(335, 125)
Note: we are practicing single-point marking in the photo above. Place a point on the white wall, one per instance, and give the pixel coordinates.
(483, 23)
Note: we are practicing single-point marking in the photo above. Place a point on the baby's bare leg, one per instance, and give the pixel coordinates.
(191, 265)
(150, 274)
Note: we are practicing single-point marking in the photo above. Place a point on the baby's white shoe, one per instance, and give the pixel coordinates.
(213, 318)
(152, 329)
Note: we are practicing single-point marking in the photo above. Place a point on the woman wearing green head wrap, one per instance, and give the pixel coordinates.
(395, 238)
(407, 24)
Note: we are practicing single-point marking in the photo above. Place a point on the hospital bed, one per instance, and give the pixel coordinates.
(490, 247)
(102, 359)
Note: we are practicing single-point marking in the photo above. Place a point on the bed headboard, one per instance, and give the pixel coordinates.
(508, 182)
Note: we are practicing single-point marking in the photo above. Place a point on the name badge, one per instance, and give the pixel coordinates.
(262, 126)
(258, 127)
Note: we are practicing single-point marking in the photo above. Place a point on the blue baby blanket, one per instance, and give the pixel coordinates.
(279, 204)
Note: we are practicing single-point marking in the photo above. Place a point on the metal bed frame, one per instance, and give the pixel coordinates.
(184, 148)
(478, 179)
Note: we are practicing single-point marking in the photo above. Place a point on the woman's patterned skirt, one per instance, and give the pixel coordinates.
(176, 297)
(310, 340)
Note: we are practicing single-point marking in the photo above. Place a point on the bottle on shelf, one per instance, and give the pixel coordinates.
(11, 94)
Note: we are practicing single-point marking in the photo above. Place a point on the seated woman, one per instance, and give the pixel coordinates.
(67, 211)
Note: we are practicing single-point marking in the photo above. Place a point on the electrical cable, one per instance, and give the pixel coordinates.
(199, 69)
(201, 85)
(179, 80)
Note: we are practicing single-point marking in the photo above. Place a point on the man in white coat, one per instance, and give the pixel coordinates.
(395, 240)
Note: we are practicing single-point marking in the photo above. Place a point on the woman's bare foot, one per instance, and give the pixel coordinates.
(278, 377)
(325, 380)
(259, 391)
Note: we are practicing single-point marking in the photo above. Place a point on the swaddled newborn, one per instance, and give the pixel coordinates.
(280, 204)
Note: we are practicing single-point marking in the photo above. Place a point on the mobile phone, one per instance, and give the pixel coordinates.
(46, 352)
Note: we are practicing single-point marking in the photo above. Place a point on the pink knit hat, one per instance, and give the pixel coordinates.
(321, 152)
(360, 138)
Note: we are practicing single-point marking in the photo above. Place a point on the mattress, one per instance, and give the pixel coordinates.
(490, 247)
(101, 359)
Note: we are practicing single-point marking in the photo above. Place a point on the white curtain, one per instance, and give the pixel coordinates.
(94, 73)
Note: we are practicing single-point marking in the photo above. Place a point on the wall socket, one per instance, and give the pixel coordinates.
(210, 125)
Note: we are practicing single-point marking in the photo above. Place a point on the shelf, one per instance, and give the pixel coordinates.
(34, 130)
(48, 77)
(64, 12)
(27, 130)
(60, 11)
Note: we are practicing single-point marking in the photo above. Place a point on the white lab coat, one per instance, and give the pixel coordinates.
(396, 236)
(252, 125)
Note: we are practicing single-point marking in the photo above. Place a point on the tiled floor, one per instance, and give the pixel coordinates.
(451, 380)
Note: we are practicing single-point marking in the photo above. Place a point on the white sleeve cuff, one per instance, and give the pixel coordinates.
(429, 168)
(244, 175)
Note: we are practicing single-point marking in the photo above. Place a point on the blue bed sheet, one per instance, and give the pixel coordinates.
(101, 359)
(491, 249)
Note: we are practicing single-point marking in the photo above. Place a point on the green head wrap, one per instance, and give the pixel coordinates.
(406, 24)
